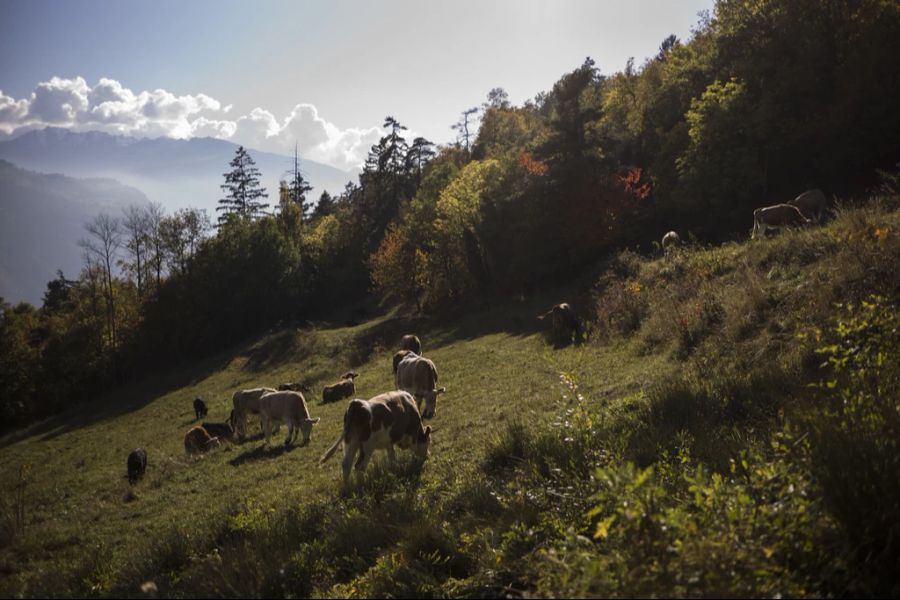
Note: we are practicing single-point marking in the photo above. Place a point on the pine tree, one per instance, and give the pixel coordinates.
(242, 189)
(325, 206)
(297, 187)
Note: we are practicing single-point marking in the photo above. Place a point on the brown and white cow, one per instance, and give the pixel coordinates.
(289, 408)
(246, 403)
(773, 217)
(382, 422)
(198, 440)
(418, 376)
(812, 204)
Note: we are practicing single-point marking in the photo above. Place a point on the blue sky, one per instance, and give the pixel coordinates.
(322, 73)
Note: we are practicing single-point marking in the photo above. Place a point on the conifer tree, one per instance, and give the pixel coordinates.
(242, 189)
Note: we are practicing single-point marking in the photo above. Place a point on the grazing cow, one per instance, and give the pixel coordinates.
(418, 376)
(198, 440)
(288, 408)
(386, 420)
(400, 355)
(411, 343)
(670, 241)
(811, 204)
(137, 464)
(773, 217)
(200, 409)
(222, 431)
(246, 403)
(340, 390)
(294, 387)
(565, 323)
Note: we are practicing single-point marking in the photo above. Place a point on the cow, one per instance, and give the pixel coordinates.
(411, 343)
(222, 431)
(811, 204)
(200, 409)
(400, 355)
(773, 217)
(389, 419)
(340, 390)
(294, 387)
(137, 464)
(289, 408)
(670, 241)
(198, 440)
(418, 376)
(565, 323)
(246, 403)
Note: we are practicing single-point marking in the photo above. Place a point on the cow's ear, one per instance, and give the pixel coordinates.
(440, 391)
(427, 432)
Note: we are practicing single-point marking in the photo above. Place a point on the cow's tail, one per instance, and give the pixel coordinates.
(333, 448)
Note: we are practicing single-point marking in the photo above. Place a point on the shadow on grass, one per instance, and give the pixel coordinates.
(263, 452)
(121, 400)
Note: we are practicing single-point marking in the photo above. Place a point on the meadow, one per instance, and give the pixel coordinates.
(677, 451)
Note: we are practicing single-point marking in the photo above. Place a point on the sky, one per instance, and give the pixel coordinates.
(270, 73)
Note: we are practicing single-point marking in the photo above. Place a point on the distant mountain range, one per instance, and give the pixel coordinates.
(177, 173)
(42, 217)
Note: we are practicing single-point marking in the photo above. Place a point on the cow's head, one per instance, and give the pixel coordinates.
(431, 402)
(306, 426)
(350, 375)
(423, 441)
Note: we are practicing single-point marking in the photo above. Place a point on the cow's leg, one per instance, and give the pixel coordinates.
(392, 456)
(755, 233)
(349, 453)
(266, 427)
(290, 430)
(365, 455)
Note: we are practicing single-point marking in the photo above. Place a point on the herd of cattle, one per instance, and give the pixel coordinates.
(393, 418)
(387, 420)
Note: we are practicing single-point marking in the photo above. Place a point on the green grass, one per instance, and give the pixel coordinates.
(696, 363)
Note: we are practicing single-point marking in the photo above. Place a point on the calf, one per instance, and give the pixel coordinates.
(418, 376)
(340, 390)
(386, 420)
(137, 464)
(773, 217)
(200, 409)
(198, 440)
(289, 408)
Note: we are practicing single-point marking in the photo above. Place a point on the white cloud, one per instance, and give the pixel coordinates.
(109, 106)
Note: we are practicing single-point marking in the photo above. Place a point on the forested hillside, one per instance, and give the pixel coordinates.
(728, 425)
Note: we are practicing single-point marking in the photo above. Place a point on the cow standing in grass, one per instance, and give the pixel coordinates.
(774, 217)
(137, 464)
(418, 376)
(565, 323)
(246, 403)
(288, 408)
(386, 420)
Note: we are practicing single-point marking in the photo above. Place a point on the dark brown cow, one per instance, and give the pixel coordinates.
(565, 323)
(386, 420)
(137, 464)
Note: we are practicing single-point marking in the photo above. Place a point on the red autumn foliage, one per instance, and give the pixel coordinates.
(532, 165)
(632, 184)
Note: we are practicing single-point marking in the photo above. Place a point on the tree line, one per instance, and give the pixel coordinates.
(766, 99)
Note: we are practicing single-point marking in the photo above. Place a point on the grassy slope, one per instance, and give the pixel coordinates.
(85, 530)
(79, 502)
